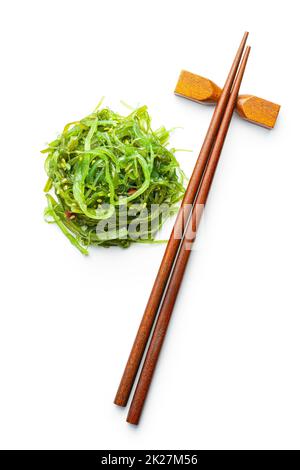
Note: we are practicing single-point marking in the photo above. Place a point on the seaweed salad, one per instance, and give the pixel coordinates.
(106, 173)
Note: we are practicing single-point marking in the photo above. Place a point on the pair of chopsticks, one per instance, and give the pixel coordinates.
(167, 283)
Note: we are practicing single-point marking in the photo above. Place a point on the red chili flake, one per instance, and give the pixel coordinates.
(131, 191)
(69, 214)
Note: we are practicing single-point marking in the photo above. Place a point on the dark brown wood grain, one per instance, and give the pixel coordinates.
(162, 277)
(183, 257)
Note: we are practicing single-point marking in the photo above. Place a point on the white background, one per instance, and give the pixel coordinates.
(228, 376)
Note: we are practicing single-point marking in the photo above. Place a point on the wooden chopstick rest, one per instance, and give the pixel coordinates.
(249, 107)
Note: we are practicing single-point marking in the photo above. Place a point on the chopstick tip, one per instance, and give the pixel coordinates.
(132, 422)
(244, 40)
(245, 37)
(120, 402)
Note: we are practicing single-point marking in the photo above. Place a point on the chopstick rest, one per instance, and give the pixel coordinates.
(249, 107)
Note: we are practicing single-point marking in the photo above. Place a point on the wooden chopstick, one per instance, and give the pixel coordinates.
(162, 277)
(183, 257)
